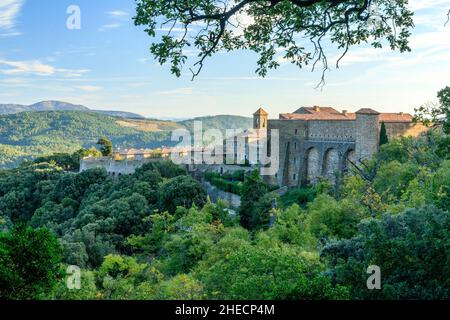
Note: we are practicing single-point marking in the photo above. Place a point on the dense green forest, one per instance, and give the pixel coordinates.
(26, 135)
(221, 122)
(155, 234)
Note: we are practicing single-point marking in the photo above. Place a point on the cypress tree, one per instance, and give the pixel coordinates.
(383, 134)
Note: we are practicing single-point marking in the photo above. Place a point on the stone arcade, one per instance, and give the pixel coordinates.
(318, 141)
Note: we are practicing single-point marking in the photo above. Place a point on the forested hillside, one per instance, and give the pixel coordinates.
(220, 122)
(27, 135)
(155, 235)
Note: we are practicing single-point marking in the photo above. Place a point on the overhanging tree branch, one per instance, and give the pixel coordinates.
(275, 29)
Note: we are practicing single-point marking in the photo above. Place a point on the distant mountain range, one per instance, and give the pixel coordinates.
(62, 106)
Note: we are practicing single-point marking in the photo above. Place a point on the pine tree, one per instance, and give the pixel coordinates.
(106, 146)
(383, 135)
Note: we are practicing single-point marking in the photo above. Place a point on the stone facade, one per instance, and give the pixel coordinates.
(320, 142)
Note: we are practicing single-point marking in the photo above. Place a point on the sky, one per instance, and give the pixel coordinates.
(106, 64)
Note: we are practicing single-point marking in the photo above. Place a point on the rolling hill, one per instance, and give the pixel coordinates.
(53, 105)
(26, 135)
(220, 122)
(12, 108)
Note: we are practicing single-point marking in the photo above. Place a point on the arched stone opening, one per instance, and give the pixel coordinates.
(312, 166)
(350, 155)
(331, 164)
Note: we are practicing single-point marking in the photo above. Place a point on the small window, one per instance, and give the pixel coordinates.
(296, 131)
(294, 177)
(295, 145)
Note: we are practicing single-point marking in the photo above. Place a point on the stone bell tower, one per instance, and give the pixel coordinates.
(260, 118)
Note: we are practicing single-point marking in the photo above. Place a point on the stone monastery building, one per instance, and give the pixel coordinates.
(319, 141)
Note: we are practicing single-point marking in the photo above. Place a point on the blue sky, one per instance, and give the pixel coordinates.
(107, 65)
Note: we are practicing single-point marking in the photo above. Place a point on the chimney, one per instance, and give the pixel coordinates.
(344, 112)
(401, 113)
(316, 108)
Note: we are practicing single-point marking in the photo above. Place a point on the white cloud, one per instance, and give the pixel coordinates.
(138, 84)
(106, 27)
(13, 81)
(8, 94)
(35, 67)
(430, 13)
(180, 29)
(439, 38)
(241, 21)
(257, 78)
(416, 5)
(427, 47)
(179, 91)
(89, 88)
(118, 13)
(72, 73)
(111, 26)
(9, 11)
(10, 34)
(131, 96)
(26, 67)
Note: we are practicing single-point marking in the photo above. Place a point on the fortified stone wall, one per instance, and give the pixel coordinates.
(113, 167)
(341, 130)
(219, 168)
(405, 129)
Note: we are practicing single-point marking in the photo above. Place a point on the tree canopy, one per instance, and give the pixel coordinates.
(106, 146)
(432, 113)
(298, 29)
(255, 203)
(29, 263)
(411, 249)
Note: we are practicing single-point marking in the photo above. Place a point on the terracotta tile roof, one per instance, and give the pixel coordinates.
(367, 111)
(327, 113)
(166, 150)
(261, 111)
(396, 117)
(133, 151)
(318, 116)
(315, 109)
